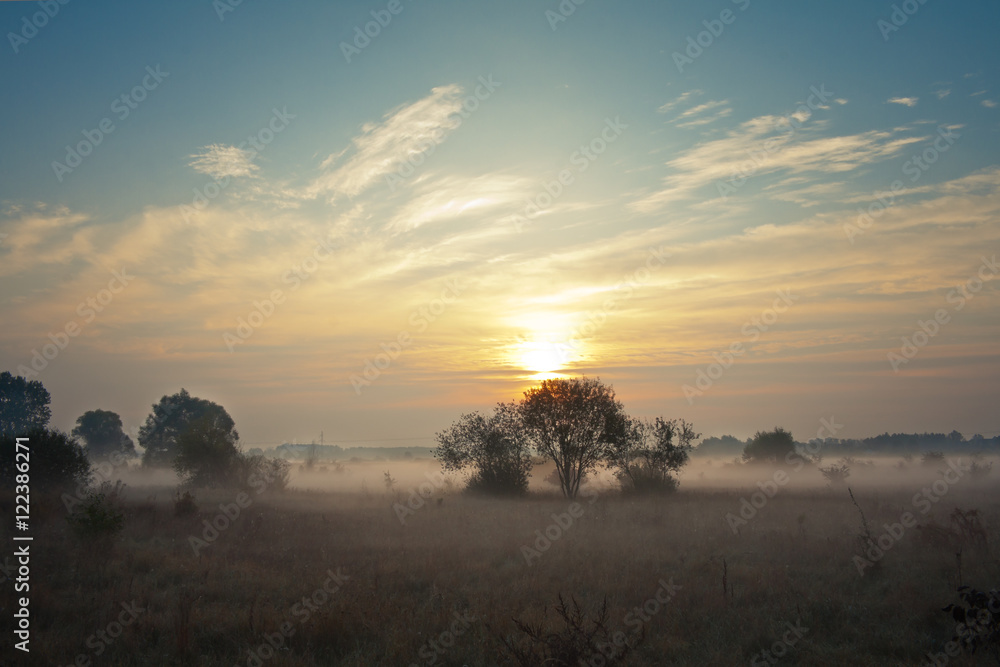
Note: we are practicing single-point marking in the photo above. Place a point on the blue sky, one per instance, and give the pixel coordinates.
(533, 295)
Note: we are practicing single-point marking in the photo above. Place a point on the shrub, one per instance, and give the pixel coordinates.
(579, 642)
(184, 505)
(258, 472)
(99, 514)
(837, 475)
(649, 455)
(978, 621)
(769, 447)
(932, 459)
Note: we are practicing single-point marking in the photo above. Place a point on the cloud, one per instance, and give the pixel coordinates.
(769, 144)
(703, 114)
(220, 161)
(905, 101)
(943, 93)
(989, 104)
(383, 147)
(680, 100)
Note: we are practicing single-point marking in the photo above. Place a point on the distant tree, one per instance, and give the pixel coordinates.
(647, 459)
(206, 453)
(493, 447)
(24, 405)
(56, 460)
(727, 446)
(769, 446)
(171, 418)
(102, 433)
(572, 422)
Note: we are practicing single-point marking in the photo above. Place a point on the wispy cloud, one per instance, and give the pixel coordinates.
(704, 114)
(220, 161)
(905, 101)
(383, 147)
(682, 99)
(988, 104)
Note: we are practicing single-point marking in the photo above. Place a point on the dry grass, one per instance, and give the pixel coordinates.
(793, 562)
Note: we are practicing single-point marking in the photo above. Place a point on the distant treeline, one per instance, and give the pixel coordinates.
(887, 443)
(338, 453)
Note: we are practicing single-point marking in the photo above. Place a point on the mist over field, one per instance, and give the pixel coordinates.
(466, 333)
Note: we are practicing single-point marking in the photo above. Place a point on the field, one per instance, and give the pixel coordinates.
(333, 576)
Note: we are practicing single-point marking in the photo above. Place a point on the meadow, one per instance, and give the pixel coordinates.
(333, 572)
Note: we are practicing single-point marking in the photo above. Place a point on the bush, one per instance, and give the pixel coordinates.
(258, 472)
(100, 514)
(56, 461)
(769, 447)
(649, 455)
(978, 622)
(932, 459)
(184, 504)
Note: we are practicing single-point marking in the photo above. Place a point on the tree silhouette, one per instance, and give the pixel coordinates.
(646, 460)
(573, 421)
(24, 405)
(102, 432)
(494, 447)
(207, 453)
(56, 460)
(171, 418)
(769, 446)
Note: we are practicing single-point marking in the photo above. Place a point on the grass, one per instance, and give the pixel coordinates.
(408, 584)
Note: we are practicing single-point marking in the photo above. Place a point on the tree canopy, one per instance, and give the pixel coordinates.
(769, 446)
(171, 418)
(56, 460)
(647, 459)
(206, 453)
(493, 446)
(573, 421)
(103, 434)
(24, 405)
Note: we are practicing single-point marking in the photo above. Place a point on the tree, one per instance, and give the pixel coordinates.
(573, 421)
(206, 453)
(103, 435)
(769, 446)
(55, 460)
(646, 460)
(24, 405)
(494, 447)
(171, 418)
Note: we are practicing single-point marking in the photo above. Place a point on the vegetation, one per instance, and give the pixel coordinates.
(572, 422)
(172, 417)
(24, 406)
(102, 433)
(57, 461)
(100, 514)
(647, 459)
(771, 447)
(493, 448)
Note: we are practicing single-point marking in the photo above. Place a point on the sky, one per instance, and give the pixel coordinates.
(368, 218)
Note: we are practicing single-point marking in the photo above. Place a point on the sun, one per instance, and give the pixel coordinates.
(545, 358)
